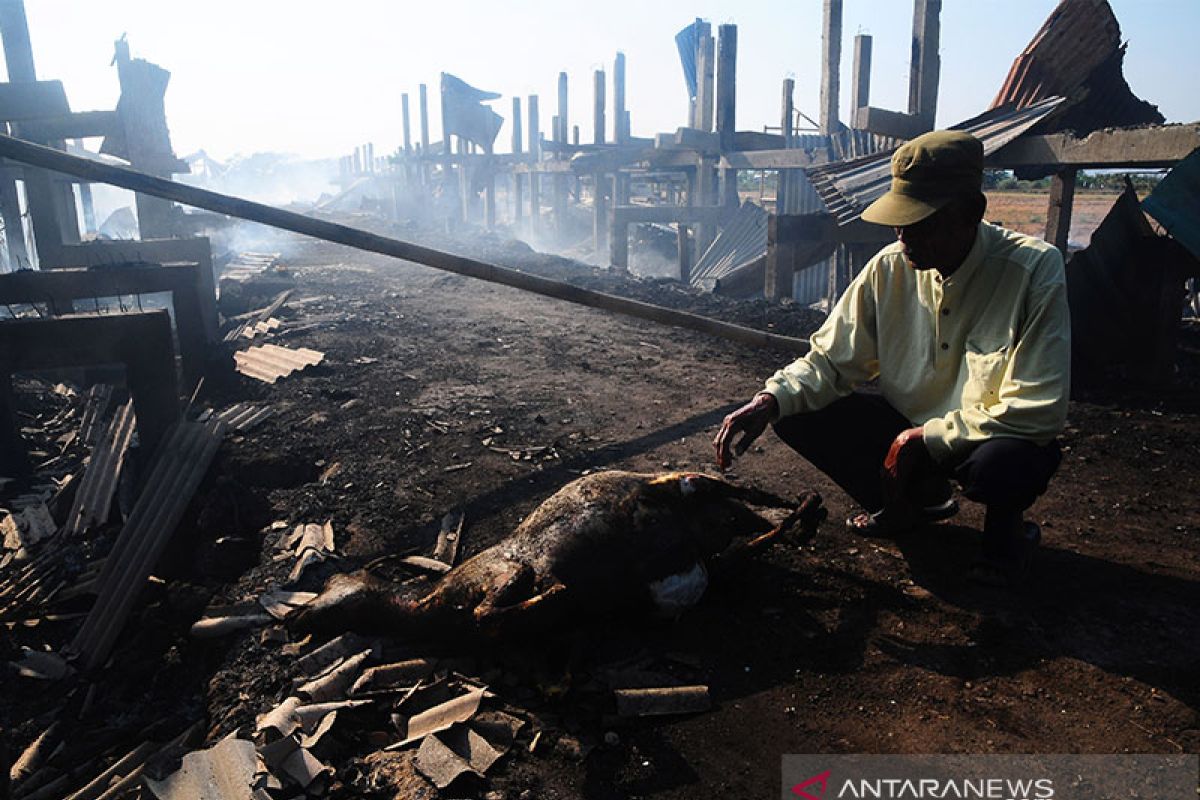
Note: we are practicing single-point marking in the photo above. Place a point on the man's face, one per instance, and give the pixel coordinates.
(940, 241)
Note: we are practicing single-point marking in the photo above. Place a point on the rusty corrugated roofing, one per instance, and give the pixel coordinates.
(1077, 54)
(847, 187)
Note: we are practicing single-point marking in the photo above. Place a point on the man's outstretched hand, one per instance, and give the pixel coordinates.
(750, 420)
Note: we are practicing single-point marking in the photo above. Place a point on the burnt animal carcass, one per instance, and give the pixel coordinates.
(606, 542)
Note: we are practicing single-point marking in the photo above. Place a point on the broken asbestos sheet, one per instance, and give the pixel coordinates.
(309, 543)
(225, 771)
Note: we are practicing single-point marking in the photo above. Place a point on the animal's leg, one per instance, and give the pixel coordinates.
(806, 517)
(539, 612)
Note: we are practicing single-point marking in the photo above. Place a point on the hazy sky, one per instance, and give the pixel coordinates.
(317, 78)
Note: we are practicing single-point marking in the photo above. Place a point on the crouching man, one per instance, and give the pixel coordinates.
(965, 327)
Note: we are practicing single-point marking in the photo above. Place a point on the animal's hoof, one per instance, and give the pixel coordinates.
(809, 514)
(347, 602)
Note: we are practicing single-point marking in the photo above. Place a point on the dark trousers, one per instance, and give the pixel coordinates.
(849, 439)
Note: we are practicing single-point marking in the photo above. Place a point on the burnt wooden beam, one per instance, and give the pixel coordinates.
(1158, 146)
(77, 125)
(194, 305)
(890, 123)
(141, 341)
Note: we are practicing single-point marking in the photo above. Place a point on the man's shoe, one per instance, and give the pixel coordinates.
(1009, 565)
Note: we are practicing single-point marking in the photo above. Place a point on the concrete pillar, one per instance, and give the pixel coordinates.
(562, 128)
(518, 213)
(925, 67)
(407, 130)
(780, 270)
(831, 58)
(535, 155)
(783, 177)
(619, 130)
(683, 242)
(727, 85)
(706, 64)
(860, 90)
(1058, 215)
(598, 97)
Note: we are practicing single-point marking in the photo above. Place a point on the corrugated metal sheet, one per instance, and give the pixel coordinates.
(93, 500)
(687, 40)
(743, 239)
(847, 187)
(1077, 54)
(270, 362)
(95, 406)
(179, 466)
(812, 283)
(244, 416)
(1175, 203)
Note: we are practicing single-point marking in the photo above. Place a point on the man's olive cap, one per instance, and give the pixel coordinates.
(927, 173)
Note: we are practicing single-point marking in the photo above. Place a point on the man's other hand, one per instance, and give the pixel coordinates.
(905, 458)
(750, 420)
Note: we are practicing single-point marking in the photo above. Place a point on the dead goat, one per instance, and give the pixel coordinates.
(608, 541)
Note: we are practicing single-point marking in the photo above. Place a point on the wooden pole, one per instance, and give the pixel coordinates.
(56, 161)
(831, 58)
(860, 90)
(48, 228)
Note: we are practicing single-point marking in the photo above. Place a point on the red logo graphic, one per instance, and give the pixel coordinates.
(816, 780)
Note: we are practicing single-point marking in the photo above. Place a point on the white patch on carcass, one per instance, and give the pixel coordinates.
(687, 486)
(677, 593)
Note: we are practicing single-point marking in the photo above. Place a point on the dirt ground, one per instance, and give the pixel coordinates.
(1026, 212)
(439, 392)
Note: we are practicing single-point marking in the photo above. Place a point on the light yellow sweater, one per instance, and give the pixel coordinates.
(982, 354)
